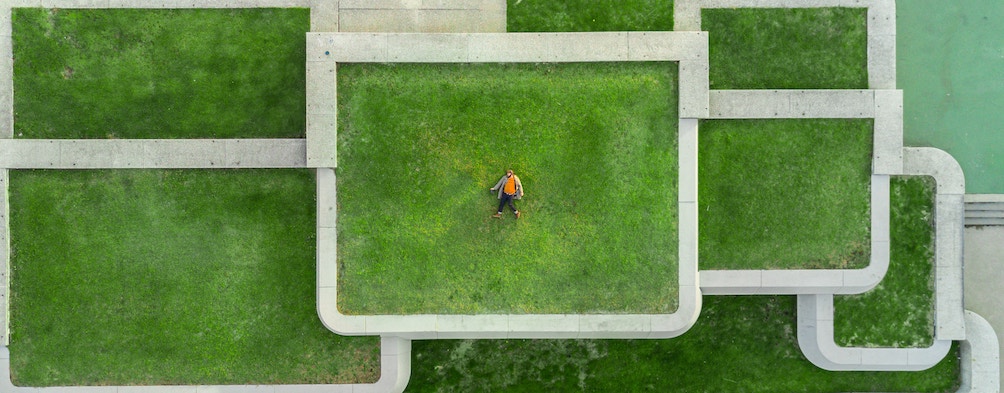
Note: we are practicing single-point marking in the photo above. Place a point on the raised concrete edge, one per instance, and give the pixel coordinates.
(322, 115)
(984, 198)
(151, 153)
(4, 258)
(166, 4)
(815, 281)
(488, 326)
(936, 163)
(815, 338)
(887, 150)
(792, 104)
(324, 15)
(395, 371)
(980, 357)
(506, 47)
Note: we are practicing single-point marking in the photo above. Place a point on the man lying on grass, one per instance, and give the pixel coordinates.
(509, 189)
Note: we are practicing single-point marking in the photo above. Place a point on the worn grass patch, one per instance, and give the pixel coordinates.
(170, 277)
(784, 194)
(594, 146)
(787, 48)
(589, 15)
(740, 344)
(141, 73)
(899, 312)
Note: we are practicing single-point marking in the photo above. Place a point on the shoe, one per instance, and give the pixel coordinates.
(497, 215)
(517, 215)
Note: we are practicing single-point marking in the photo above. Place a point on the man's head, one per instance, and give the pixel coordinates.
(508, 173)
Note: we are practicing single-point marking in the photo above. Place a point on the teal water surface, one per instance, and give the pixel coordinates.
(951, 69)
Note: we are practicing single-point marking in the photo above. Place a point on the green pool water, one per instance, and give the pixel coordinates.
(951, 69)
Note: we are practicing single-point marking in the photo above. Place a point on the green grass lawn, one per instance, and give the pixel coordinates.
(784, 194)
(159, 73)
(594, 146)
(774, 48)
(740, 344)
(170, 277)
(589, 15)
(899, 312)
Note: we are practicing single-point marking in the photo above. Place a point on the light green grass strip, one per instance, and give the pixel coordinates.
(787, 48)
(171, 277)
(784, 194)
(140, 73)
(595, 148)
(899, 312)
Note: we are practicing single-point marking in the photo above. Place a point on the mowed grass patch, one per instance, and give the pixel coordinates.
(784, 194)
(170, 277)
(787, 48)
(595, 148)
(740, 344)
(141, 73)
(899, 312)
(589, 15)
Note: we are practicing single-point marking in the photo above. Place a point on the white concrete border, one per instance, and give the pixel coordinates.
(395, 371)
(151, 153)
(815, 338)
(980, 357)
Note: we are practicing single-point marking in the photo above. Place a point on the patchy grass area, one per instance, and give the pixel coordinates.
(595, 148)
(589, 15)
(170, 277)
(136, 73)
(794, 48)
(784, 194)
(899, 312)
(740, 344)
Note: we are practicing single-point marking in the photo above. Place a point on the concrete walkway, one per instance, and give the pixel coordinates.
(984, 275)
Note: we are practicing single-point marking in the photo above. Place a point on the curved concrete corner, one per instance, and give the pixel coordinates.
(938, 164)
(815, 338)
(980, 357)
(395, 371)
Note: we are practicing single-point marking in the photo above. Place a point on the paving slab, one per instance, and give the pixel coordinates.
(466, 326)
(5, 21)
(838, 104)
(322, 141)
(687, 160)
(980, 356)
(327, 198)
(543, 326)
(801, 281)
(102, 153)
(882, 18)
(324, 15)
(748, 104)
(322, 88)
(511, 47)
(879, 209)
(949, 318)
(395, 324)
(693, 89)
(427, 48)
(377, 20)
(625, 326)
(936, 163)
(687, 15)
(882, 62)
(888, 135)
(347, 47)
(17, 153)
(265, 153)
(662, 45)
(730, 282)
(687, 233)
(327, 257)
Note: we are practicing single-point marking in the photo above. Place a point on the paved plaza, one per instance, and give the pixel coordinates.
(473, 31)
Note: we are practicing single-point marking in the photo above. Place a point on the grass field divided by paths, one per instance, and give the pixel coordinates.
(595, 148)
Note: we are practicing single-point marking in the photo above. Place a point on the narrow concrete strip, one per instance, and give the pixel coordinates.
(882, 62)
(151, 153)
(984, 198)
(687, 160)
(882, 18)
(422, 4)
(815, 338)
(792, 104)
(322, 141)
(730, 282)
(687, 15)
(887, 152)
(395, 371)
(507, 47)
(6, 77)
(948, 251)
(160, 4)
(463, 326)
(785, 3)
(324, 15)
(4, 257)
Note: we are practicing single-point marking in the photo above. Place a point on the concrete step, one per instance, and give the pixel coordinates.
(984, 213)
(984, 222)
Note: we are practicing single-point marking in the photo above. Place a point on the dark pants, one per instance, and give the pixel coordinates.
(507, 198)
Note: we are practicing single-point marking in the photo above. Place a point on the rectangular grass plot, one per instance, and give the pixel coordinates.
(594, 145)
